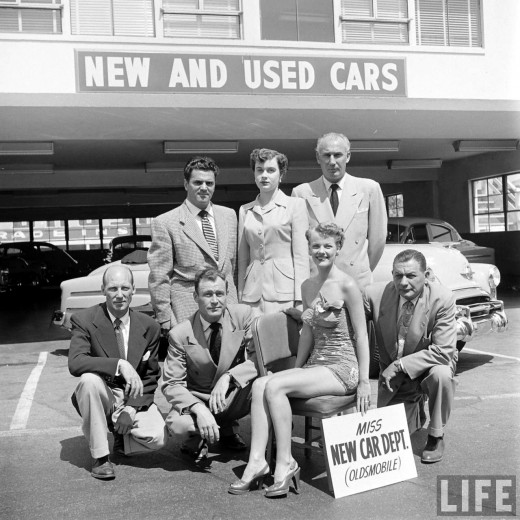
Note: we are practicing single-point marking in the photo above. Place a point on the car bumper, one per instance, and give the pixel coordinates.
(477, 319)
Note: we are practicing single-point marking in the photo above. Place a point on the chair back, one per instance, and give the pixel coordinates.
(276, 337)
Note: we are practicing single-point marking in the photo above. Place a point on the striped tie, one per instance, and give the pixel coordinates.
(209, 234)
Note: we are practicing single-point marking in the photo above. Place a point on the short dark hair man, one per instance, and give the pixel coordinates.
(416, 331)
(114, 351)
(195, 235)
(209, 370)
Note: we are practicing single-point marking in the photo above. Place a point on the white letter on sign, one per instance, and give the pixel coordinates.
(217, 73)
(94, 76)
(178, 74)
(137, 69)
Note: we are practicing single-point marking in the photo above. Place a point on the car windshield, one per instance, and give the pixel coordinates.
(394, 233)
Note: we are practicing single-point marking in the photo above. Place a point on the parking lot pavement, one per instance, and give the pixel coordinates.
(45, 463)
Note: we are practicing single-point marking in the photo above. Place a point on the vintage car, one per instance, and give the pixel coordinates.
(425, 230)
(474, 286)
(34, 264)
(119, 247)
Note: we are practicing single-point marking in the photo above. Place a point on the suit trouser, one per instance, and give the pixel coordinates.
(238, 405)
(98, 404)
(439, 384)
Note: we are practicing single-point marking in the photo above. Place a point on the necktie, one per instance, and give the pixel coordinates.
(215, 341)
(209, 234)
(334, 200)
(119, 338)
(402, 326)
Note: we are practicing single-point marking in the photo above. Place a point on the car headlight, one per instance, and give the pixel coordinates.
(494, 277)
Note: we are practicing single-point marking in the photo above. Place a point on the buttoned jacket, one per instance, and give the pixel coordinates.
(362, 215)
(273, 254)
(178, 251)
(93, 348)
(189, 372)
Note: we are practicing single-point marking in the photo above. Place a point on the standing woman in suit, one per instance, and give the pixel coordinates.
(273, 258)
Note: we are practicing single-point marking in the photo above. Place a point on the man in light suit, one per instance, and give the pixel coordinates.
(195, 235)
(209, 370)
(355, 204)
(416, 331)
(114, 351)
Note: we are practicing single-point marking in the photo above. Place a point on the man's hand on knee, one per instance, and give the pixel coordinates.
(125, 420)
(206, 423)
(134, 385)
(217, 399)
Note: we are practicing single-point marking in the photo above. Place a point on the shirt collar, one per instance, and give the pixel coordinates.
(125, 320)
(328, 184)
(402, 301)
(206, 324)
(195, 211)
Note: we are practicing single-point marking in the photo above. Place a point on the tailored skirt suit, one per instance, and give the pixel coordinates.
(273, 255)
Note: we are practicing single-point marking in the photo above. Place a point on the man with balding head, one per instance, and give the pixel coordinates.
(115, 352)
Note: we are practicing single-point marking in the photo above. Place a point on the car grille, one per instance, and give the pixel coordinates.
(480, 307)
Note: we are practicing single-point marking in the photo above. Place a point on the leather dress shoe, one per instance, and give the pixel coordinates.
(119, 444)
(196, 448)
(233, 442)
(433, 450)
(103, 469)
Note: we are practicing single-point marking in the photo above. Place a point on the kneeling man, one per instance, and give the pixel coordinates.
(414, 318)
(114, 350)
(209, 370)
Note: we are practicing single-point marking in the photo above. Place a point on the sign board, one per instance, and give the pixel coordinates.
(239, 74)
(369, 451)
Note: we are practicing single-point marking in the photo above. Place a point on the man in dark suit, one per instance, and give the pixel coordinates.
(353, 203)
(416, 331)
(209, 370)
(195, 235)
(114, 351)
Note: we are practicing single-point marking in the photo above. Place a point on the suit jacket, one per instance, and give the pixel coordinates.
(189, 373)
(273, 255)
(93, 348)
(178, 251)
(431, 338)
(361, 213)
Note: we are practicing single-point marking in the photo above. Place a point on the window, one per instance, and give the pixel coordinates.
(50, 231)
(143, 226)
(496, 203)
(297, 20)
(30, 16)
(201, 18)
(15, 231)
(394, 205)
(115, 227)
(112, 17)
(374, 21)
(442, 234)
(448, 23)
(84, 234)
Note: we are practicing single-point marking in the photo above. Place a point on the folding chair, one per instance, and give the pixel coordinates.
(276, 339)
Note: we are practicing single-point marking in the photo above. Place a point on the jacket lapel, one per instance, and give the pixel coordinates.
(232, 338)
(388, 320)
(349, 202)
(105, 334)
(137, 343)
(222, 236)
(319, 201)
(193, 231)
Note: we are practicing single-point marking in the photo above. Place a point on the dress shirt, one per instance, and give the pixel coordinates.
(125, 329)
(339, 191)
(207, 329)
(195, 212)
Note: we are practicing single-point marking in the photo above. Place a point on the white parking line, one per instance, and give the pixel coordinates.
(21, 414)
(489, 353)
(485, 397)
(19, 433)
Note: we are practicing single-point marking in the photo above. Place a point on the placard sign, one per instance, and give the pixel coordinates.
(369, 451)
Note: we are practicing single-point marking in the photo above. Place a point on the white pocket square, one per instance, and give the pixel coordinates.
(146, 356)
(362, 210)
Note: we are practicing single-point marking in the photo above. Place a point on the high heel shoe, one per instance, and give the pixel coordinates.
(239, 487)
(281, 488)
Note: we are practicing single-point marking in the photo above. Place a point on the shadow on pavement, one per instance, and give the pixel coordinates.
(469, 361)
